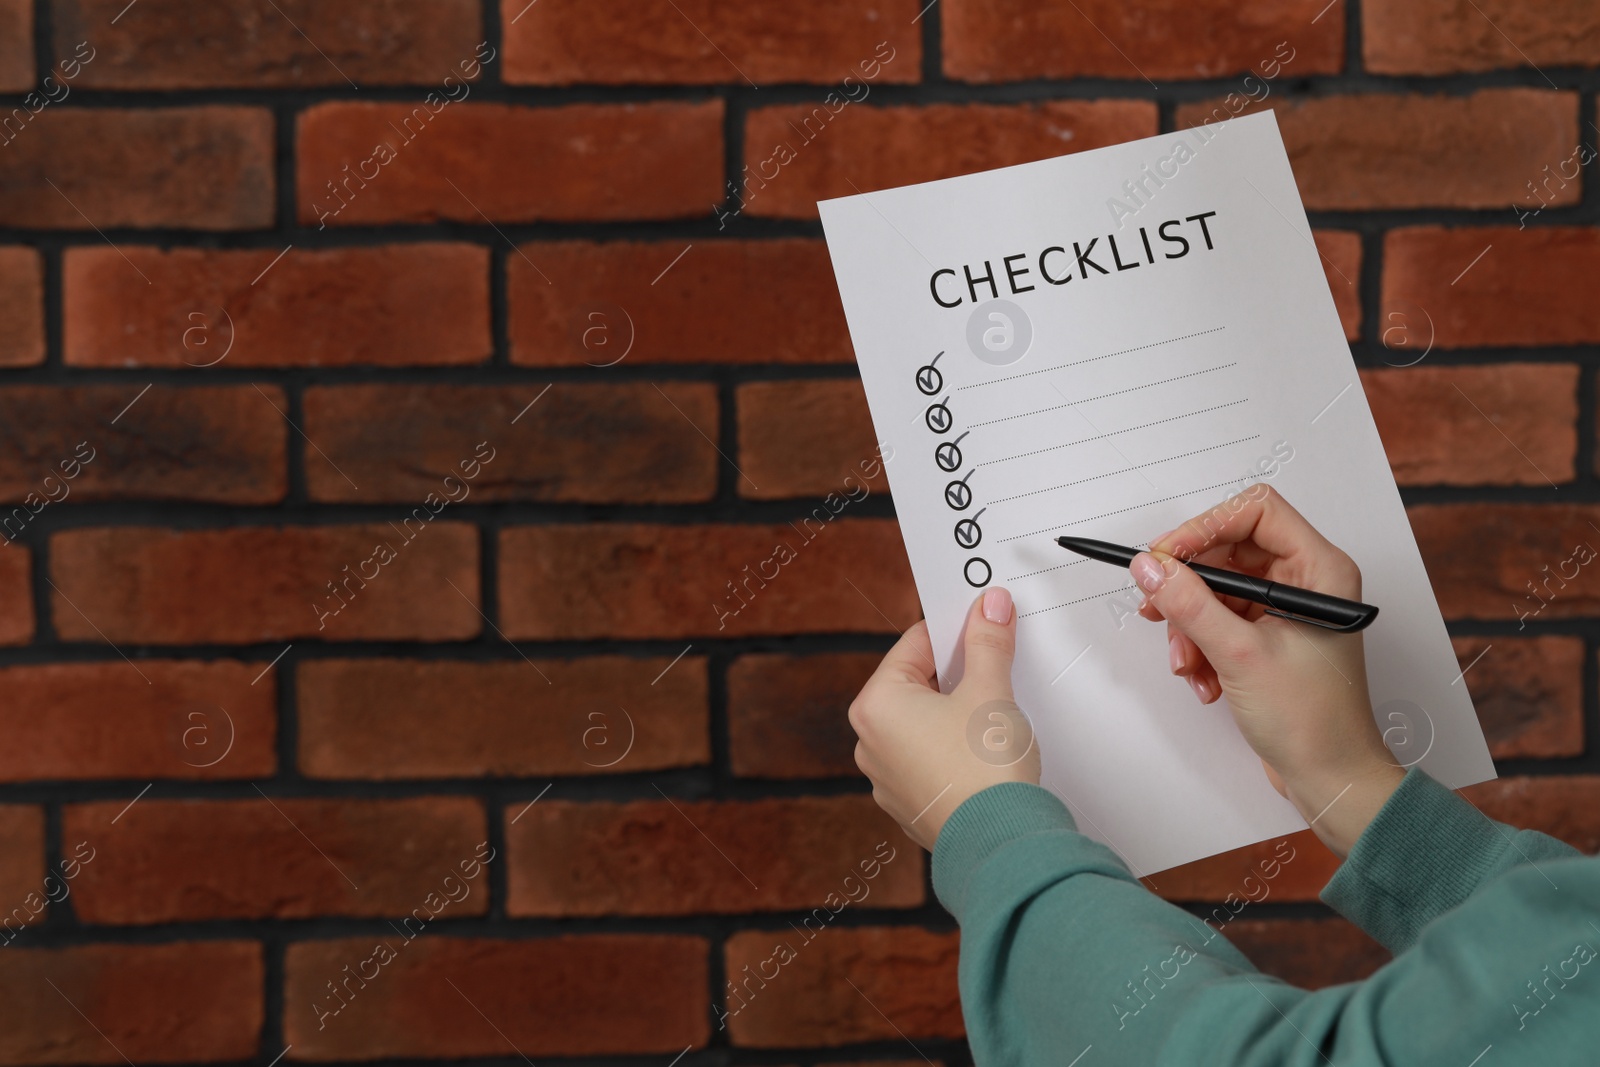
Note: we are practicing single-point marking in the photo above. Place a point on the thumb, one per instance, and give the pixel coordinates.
(990, 644)
(1189, 605)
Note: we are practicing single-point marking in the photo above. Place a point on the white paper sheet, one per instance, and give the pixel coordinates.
(1144, 395)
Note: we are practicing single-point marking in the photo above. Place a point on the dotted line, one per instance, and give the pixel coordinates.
(1047, 570)
(1058, 566)
(1093, 359)
(1097, 477)
(1103, 396)
(1113, 433)
(1080, 600)
(1119, 511)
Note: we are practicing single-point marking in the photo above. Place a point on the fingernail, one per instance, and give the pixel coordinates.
(1201, 689)
(997, 606)
(1176, 648)
(1147, 572)
(1162, 539)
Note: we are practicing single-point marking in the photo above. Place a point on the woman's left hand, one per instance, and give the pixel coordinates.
(926, 752)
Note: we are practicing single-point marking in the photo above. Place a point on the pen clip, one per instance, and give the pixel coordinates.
(1351, 627)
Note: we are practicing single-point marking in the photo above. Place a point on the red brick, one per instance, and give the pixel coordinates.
(200, 168)
(24, 896)
(21, 298)
(284, 858)
(361, 718)
(1488, 425)
(1309, 953)
(158, 719)
(578, 162)
(248, 584)
(223, 444)
(904, 978)
(560, 582)
(677, 857)
(195, 44)
(16, 46)
(1449, 36)
(1489, 561)
(394, 305)
(457, 998)
(1392, 150)
(618, 42)
(786, 714)
(16, 594)
(721, 302)
(1528, 692)
(860, 149)
(1016, 40)
(613, 443)
(1341, 262)
(1566, 807)
(176, 1002)
(1292, 868)
(807, 438)
(1529, 288)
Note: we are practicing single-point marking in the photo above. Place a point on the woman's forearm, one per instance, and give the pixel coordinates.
(1064, 954)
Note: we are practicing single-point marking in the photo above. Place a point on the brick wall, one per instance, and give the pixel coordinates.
(299, 434)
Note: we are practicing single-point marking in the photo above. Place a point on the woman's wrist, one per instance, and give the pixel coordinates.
(1340, 802)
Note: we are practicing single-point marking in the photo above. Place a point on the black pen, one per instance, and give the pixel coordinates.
(1284, 601)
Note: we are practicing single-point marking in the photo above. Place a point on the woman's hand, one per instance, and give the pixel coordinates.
(1298, 693)
(925, 752)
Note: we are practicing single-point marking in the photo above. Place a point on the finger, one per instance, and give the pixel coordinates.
(1244, 556)
(1185, 655)
(990, 644)
(910, 660)
(1207, 689)
(1191, 607)
(1257, 514)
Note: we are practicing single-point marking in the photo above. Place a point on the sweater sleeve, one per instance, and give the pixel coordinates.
(1066, 959)
(1426, 852)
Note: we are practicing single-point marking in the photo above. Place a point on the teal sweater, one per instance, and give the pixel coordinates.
(1064, 954)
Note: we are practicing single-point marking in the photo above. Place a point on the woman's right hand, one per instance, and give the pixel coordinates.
(1298, 693)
